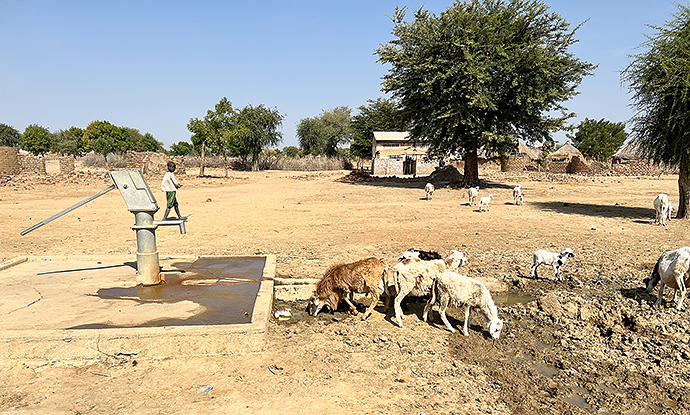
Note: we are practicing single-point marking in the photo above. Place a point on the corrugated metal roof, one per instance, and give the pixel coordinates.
(391, 135)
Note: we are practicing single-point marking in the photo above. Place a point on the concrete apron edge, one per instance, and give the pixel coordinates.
(82, 345)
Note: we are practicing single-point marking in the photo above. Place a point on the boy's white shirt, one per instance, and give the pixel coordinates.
(169, 184)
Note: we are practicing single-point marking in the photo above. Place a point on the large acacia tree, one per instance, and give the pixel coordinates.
(482, 73)
(659, 79)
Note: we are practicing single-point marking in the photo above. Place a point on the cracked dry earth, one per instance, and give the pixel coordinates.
(592, 344)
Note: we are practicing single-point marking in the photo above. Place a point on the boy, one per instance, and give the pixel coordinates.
(170, 186)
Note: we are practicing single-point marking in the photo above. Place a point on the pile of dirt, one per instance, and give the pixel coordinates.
(447, 174)
(358, 175)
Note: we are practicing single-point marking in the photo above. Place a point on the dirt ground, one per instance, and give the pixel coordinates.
(590, 344)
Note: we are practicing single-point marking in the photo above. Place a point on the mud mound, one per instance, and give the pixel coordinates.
(446, 174)
(358, 175)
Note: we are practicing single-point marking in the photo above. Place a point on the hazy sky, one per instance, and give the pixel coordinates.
(153, 65)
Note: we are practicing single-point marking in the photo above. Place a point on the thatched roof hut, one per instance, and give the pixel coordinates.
(523, 149)
(565, 153)
(629, 151)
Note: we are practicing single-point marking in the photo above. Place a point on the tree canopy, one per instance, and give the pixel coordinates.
(483, 73)
(69, 141)
(599, 139)
(378, 115)
(659, 80)
(36, 140)
(322, 135)
(256, 129)
(9, 136)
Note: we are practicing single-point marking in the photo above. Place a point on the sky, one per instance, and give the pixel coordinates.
(154, 65)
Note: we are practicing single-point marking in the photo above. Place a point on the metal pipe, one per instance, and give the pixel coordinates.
(69, 209)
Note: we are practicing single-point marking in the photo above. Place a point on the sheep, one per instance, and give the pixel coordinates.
(472, 193)
(517, 194)
(661, 207)
(670, 210)
(429, 189)
(340, 281)
(551, 258)
(484, 202)
(451, 288)
(414, 276)
(671, 269)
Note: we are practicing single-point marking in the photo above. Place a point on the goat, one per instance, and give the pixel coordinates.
(554, 259)
(421, 255)
(670, 209)
(484, 202)
(429, 189)
(517, 194)
(671, 269)
(340, 281)
(472, 193)
(661, 207)
(451, 288)
(414, 276)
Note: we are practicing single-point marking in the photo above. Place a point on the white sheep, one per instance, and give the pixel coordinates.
(671, 269)
(661, 204)
(484, 202)
(451, 288)
(554, 259)
(472, 193)
(414, 276)
(429, 189)
(517, 194)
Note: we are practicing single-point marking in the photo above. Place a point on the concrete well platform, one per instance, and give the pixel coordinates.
(77, 309)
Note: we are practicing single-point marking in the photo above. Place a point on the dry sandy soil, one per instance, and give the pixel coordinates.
(590, 344)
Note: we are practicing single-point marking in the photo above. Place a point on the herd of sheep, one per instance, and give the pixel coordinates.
(423, 273)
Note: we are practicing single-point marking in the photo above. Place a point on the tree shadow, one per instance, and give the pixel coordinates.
(589, 209)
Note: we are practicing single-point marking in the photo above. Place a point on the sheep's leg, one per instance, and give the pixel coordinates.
(374, 301)
(682, 290)
(442, 312)
(348, 297)
(465, 329)
(660, 296)
(534, 271)
(396, 305)
(557, 271)
(430, 303)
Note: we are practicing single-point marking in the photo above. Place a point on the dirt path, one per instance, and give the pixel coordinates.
(591, 344)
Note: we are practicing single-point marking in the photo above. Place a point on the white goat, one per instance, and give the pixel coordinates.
(661, 204)
(472, 193)
(671, 269)
(414, 276)
(429, 189)
(451, 288)
(484, 202)
(517, 194)
(670, 209)
(554, 259)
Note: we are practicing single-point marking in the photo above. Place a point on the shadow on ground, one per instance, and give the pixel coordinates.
(589, 209)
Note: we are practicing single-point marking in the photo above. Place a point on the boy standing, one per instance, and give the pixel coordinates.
(170, 186)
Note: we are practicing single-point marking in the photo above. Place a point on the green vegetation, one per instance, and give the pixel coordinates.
(9, 136)
(322, 135)
(482, 73)
(659, 79)
(599, 139)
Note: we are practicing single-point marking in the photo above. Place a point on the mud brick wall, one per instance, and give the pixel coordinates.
(66, 164)
(516, 163)
(9, 161)
(153, 164)
(558, 167)
(641, 168)
(578, 165)
(29, 163)
(393, 167)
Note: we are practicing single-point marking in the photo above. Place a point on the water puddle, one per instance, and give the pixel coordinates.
(512, 298)
(224, 288)
(546, 371)
(578, 399)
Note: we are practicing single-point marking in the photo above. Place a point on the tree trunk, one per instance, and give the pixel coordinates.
(683, 192)
(255, 162)
(203, 159)
(471, 178)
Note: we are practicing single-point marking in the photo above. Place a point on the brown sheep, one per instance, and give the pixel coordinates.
(340, 281)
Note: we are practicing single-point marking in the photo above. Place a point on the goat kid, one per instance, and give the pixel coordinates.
(517, 195)
(472, 193)
(484, 202)
(554, 259)
(429, 189)
(661, 206)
